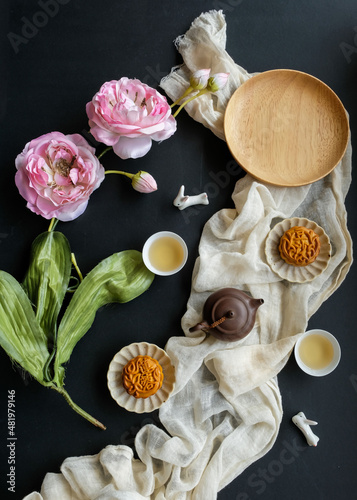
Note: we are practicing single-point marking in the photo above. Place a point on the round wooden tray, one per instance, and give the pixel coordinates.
(286, 128)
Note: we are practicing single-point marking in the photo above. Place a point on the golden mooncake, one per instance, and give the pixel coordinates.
(142, 376)
(299, 246)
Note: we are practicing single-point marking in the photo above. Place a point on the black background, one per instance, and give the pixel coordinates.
(45, 84)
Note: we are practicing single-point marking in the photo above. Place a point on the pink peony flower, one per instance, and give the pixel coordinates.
(56, 174)
(129, 115)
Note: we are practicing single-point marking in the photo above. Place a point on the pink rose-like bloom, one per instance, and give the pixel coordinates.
(128, 115)
(56, 174)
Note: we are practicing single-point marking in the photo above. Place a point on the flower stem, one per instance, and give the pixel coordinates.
(104, 151)
(77, 409)
(119, 172)
(74, 262)
(53, 224)
(201, 92)
(187, 91)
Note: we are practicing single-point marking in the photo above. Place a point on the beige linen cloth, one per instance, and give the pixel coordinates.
(226, 408)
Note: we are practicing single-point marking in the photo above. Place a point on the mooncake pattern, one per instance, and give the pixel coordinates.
(299, 246)
(142, 376)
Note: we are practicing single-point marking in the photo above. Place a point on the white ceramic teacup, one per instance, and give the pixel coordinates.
(335, 355)
(165, 253)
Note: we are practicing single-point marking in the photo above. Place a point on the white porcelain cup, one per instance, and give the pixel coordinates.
(336, 356)
(173, 251)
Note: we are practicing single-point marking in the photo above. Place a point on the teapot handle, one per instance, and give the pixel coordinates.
(205, 326)
(200, 326)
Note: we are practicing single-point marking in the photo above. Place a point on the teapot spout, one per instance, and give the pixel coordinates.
(258, 302)
(200, 326)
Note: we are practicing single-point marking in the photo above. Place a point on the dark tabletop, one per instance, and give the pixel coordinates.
(47, 76)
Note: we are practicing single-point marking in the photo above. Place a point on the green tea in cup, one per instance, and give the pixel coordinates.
(165, 253)
(317, 352)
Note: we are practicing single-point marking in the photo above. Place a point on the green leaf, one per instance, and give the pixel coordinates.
(20, 334)
(119, 278)
(47, 278)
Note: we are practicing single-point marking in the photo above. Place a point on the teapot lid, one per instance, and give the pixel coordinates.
(232, 312)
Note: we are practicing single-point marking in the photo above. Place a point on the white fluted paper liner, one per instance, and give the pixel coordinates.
(297, 274)
(114, 377)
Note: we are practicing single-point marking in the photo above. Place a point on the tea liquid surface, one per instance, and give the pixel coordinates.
(316, 351)
(166, 254)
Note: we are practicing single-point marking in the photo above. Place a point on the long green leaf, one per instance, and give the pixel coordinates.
(119, 278)
(47, 278)
(20, 334)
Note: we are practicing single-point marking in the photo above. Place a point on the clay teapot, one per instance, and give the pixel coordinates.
(228, 314)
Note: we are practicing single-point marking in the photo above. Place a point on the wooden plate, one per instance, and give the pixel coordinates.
(286, 128)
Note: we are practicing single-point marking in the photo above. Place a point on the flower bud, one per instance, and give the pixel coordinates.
(217, 82)
(143, 182)
(199, 79)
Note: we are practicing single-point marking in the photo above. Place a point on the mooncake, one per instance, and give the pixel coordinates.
(142, 376)
(299, 246)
